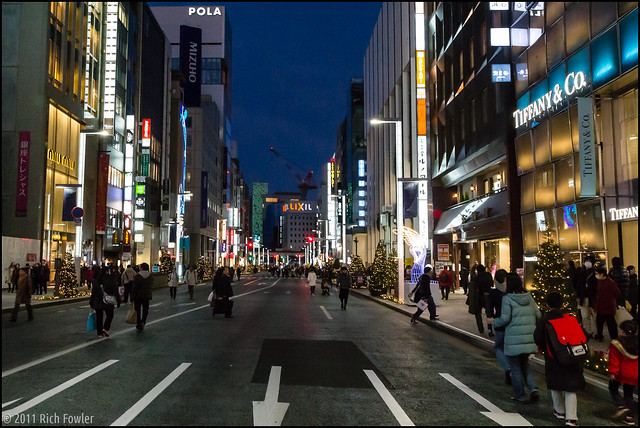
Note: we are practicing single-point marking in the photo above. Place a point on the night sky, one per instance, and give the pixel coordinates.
(292, 65)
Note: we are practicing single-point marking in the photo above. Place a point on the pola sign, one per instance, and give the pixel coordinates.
(205, 11)
(573, 83)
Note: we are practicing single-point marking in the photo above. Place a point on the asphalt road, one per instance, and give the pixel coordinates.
(286, 358)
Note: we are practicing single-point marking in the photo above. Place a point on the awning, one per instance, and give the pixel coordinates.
(490, 207)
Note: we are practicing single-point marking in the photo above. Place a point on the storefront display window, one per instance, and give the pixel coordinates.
(541, 144)
(527, 193)
(567, 227)
(545, 187)
(560, 136)
(590, 226)
(529, 234)
(564, 180)
(546, 222)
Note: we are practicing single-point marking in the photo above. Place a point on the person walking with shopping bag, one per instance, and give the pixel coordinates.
(422, 291)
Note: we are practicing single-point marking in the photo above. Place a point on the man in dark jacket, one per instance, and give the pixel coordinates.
(620, 276)
(344, 282)
(464, 279)
(561, 379)
(586, 295)
(422, 291)
(484, 282)
(141, 294)
(224, 291)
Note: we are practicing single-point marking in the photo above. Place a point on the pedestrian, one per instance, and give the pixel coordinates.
(127, 281)
(620, 275)
(97, 272)
(34, 272)
(633, 291)
(519, 314)
(83, 274)
(23, 294)
(44, 277)
(572, 274)
(239, 272)
(223, 290)
(344, 282)
(231, 272)
(606, 303)
(446, 280)
(474, 301)
(422, 291)
(494, 310)
(586, 296)
(464, 279)
(484, 282)
(326, 281)
(312, 278)
(7, 280)
(14, 277)
(141, 295)
(623, 369)
(104, 298)
(172, 282)
(563, 380)
(474, 270)
(190, 278)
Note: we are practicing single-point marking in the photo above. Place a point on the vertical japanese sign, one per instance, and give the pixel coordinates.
(204, 192)
(587, 148)
(22, 182)
(421, 121)
(190, 63)
(101, 194)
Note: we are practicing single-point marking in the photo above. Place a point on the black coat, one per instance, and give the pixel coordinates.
(422, 289)
(621, 277)
(559, 377)
(495, 306)
(222, 287)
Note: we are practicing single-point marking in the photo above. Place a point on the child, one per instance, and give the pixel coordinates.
(623, 369)
(564, 381)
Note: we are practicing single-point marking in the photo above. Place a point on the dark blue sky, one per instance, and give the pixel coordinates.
(292, 65)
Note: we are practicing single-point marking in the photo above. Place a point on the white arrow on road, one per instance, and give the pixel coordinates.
(269, 412)
(495, 413)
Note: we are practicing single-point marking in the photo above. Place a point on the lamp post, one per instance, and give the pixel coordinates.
(399, 201)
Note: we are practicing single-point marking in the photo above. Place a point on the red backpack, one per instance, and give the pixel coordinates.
(566, 341)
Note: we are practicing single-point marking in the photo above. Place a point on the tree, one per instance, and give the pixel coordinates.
(67, 277)
(377, 285)
(204, 268)
(357, 267)
(550, 275)
(165, 262)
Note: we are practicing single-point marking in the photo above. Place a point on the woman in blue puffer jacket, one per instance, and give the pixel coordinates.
(519, 314)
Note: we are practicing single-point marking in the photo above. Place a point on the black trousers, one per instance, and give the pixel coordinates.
(431, 306)
(344, 296)
(107, 321)
(627, 391)
(127, 292)
(142, 310)
(173, 291)
(611, 325)
(16, 308)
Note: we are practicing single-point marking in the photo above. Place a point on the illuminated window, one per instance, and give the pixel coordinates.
(361, 223)
(361, 203)
(362, 183)
(362, 193)
(361, 213)
(361, 168)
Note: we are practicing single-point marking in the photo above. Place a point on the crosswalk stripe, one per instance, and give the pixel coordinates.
(44, 396)
(135, 410)
(388, 399)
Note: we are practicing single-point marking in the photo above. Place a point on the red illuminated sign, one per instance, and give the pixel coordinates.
(146, 128)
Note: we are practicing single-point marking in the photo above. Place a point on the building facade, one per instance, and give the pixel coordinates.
(581, 190)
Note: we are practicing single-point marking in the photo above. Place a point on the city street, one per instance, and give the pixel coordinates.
(286, 358)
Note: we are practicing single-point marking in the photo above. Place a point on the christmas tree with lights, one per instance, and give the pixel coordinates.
(357, 268)
(165, 262)
(550, 275)
(67, 277)
(378, 283)
(204, 267)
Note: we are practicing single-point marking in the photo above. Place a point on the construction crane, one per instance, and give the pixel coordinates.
(305, 184)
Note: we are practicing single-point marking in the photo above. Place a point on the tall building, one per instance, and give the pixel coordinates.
(474, 182)
(576, 125)
(200, 40)
(351, 163)
(257, 209)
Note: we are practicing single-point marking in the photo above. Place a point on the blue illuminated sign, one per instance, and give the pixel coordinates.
(570, 215)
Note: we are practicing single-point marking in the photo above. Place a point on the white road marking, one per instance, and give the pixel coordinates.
(44, 396)
(112, 335)
(8, 403)
(494, 412)
(251, 282)
(269, 412)
(155, 304)
(135, 410)
(388, 399)
(186, 304)
(326, 313)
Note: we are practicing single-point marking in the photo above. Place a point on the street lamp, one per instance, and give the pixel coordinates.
(399, 200)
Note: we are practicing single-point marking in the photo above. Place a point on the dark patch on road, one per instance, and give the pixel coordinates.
(331, 363)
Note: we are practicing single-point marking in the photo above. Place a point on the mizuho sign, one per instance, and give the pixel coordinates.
(573, 83)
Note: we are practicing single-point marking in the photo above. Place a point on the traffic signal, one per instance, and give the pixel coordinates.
(250, 244)
(309, 238)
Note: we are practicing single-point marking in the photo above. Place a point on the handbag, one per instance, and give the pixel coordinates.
(422, 305)
(91, 321)
(132, 315)
(622, 315)
(210, 298)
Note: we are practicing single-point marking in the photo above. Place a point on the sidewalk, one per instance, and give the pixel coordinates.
(454, 318)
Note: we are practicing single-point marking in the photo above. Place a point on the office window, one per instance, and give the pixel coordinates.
(602, 15)
(555, 44)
